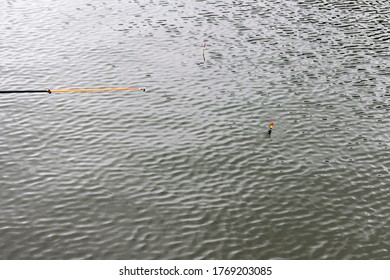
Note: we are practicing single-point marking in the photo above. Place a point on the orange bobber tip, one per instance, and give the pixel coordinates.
(272, 123)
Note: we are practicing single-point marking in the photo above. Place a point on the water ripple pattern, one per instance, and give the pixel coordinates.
(186, 170)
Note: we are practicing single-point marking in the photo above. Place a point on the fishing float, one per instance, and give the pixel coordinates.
(271, 126)
(74, 90)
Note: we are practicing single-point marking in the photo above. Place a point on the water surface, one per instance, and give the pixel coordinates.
(186, 170)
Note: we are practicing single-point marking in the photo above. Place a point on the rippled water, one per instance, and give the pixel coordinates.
(186, 170)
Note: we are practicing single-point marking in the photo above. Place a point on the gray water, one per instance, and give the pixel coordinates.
(186, 170)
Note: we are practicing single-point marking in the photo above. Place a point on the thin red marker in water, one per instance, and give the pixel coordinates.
(204, 46)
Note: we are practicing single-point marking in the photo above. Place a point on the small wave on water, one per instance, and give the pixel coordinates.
(186, 170)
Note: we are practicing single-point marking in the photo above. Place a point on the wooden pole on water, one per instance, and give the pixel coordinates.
(73, 90)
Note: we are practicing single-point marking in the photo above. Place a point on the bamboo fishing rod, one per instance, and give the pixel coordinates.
(74, 90)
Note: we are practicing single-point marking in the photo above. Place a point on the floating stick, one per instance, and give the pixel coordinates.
(93, 89)
(73, 90)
